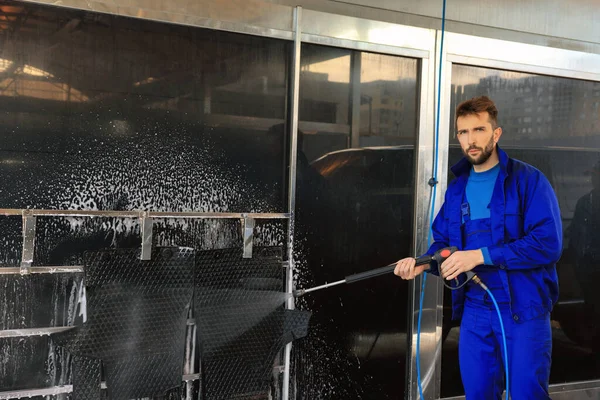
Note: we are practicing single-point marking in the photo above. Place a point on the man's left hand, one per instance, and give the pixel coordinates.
(459, 262)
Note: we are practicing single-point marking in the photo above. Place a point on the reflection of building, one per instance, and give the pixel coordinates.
(561, 112)
(323, 100)
(388, 108)
(346, 93)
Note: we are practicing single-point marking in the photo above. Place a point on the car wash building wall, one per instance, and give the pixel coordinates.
(204, 158)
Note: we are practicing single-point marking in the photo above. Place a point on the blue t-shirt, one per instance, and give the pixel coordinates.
(480, 187)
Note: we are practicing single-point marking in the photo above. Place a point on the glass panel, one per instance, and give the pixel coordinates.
(553, 124)
(354, 213)
(102, 112)
(109, 113)
(388, 110)
(324, 112)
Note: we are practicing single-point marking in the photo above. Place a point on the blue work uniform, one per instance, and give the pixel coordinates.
(521, 239)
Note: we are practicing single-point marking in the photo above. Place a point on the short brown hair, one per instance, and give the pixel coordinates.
(477, 105)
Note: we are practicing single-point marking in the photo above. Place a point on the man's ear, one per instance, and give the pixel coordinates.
(497, 134)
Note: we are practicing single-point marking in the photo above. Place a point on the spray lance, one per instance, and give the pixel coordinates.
(440, 256)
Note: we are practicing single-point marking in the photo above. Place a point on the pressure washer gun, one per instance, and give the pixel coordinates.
(440, 256)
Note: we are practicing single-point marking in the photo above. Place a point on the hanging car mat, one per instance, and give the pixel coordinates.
(136, 318)
(241, 328)
(86, 378)
(227, 269)
(169, 268)
(244, 366)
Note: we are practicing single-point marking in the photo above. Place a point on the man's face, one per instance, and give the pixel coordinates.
(476, 136)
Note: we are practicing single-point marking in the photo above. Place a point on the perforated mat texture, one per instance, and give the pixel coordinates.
(137, 315)
(242, 322)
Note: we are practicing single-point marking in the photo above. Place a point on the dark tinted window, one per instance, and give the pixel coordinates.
(354, 215)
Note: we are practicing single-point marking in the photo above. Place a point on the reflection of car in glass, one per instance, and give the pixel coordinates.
(373, 191)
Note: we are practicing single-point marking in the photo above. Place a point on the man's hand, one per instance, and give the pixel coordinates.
(406, 269)
(459, 262)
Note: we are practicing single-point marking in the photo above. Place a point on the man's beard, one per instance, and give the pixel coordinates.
(484, 154)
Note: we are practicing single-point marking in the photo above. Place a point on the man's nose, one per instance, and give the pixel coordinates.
(470, 138)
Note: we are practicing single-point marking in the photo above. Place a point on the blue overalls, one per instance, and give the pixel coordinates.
(480, 345)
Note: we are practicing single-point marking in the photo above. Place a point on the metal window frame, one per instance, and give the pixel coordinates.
(519, 57)
(431, 318)
(252, 17)
(289, 273)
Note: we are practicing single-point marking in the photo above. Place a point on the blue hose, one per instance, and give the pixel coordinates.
(503, 338)
(434, 181)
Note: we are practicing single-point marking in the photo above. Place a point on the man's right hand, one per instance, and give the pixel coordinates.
(406, 269)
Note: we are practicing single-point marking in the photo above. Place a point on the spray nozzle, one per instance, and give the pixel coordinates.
(299, 292)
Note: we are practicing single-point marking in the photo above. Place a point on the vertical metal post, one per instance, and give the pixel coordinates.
(190, 353)
(146, 229)
(285, 391)
(431, 318)
(28, 243)
(248, 236)
(355, 69)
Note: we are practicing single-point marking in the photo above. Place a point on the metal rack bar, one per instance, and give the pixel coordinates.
(146, 220)
(139, 214)
(19, 394)
(46, 331)
(59, 269)
(54, 390)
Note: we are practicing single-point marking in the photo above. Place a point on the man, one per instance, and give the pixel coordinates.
(503, 216)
